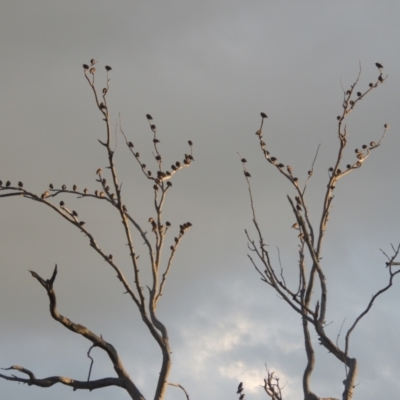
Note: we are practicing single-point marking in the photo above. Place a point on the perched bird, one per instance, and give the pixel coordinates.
(108, 68)
(247, 174)
(263, 115)
(379, 66)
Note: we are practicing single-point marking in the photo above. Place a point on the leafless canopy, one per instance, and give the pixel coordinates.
(309, 299)
(154, 236)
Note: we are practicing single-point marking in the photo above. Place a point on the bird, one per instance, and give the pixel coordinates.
(379, 66)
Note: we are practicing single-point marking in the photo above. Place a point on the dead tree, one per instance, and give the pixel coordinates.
(153, 235)
(309, 299)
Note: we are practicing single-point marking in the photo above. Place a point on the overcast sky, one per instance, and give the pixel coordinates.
(204, 70)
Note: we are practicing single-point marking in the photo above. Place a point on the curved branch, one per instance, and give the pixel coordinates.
(98, 341)
(52, 380)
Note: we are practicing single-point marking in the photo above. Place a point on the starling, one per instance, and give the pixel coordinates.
(130, 144)
(386, 126)
(359, 94)
(289, 169)
(263, 115)
(45, 194)
(379, 66)
(92, 70)
(63, 187)
(98, 172)
(168, 223)
(8, 183)
(62, 204)
(149, 117)
(295, 225)
(190, 143)
(247, 174)
(243, 160)
(20, 184)
(85, 190)
(380, 79)
(74, 188)
(93, 61)
(82, 223)
(74, 213)
(51, 186)
(153, 127)
(110, 257)
(85, 66)
(108, 68)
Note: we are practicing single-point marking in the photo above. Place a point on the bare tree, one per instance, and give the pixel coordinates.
(153, 236)
(310, 296)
